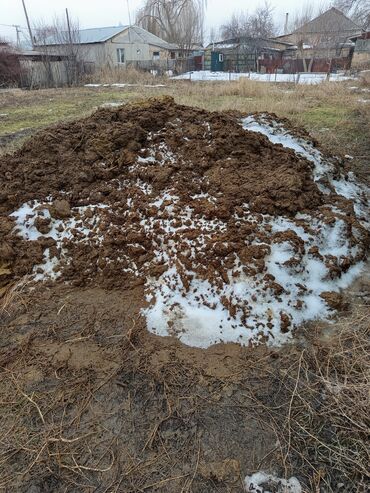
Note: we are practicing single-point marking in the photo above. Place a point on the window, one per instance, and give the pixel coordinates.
(121, 55)
(221, 57)
(156, 55)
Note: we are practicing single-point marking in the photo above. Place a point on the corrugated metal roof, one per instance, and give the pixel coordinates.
(86, 36)
(333, 20)
(140, 35)
(102, 34)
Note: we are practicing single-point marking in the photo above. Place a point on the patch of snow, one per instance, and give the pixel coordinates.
(76, 227)
(197, 315)
(112, 104)
(263, 482)
(302, 78)
(277, 134)
(123, 85)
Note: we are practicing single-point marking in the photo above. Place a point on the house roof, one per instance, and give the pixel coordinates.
(235, 42)
(140, 35)
(103, 34)
(333, 20)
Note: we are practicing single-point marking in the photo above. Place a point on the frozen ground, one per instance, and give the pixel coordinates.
(303, 78)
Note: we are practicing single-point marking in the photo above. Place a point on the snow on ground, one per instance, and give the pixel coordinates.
(262, 482)
(122, 85)
(76, 228)
(302, 78)
(195, 311)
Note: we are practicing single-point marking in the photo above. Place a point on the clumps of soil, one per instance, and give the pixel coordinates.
(214, 220)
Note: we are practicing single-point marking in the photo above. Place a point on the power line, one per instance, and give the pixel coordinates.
(12, 25)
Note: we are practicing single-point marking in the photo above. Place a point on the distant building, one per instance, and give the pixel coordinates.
(361, 55)
(324, 43)
(114, 46)
(245, 54)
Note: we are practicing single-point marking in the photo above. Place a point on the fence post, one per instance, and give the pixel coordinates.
(298, 77)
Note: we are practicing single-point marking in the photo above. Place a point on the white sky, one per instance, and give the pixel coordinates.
(98, 13)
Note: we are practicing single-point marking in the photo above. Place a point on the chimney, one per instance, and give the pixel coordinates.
(286, 23)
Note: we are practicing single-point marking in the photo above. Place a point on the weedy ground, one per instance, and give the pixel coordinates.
(91, 402)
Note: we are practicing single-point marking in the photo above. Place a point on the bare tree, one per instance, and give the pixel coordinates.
(60, 39)
(262, 22)
(259, 24)
(357, 10)
(176, 21)
(238, 25)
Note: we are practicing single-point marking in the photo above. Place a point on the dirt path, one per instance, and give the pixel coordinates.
(93, 399)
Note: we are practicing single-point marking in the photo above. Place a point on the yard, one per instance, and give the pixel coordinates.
(148, 220)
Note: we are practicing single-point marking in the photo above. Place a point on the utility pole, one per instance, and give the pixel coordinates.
(71, 56)
(129, 13)
(18, 31)
(28, 24)
(129, 22)
(69, 29)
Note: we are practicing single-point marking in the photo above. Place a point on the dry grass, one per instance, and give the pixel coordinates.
(326, 424)
(109, 75)
(11, 297)
(135, 426)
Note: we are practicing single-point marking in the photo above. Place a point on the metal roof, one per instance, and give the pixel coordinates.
(103, 34)
(333, 20)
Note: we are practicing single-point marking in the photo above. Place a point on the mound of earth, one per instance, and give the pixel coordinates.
(236, 229)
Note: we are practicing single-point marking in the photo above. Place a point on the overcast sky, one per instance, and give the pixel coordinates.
(97, 13)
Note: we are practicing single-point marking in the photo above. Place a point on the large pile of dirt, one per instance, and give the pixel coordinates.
(233, 237)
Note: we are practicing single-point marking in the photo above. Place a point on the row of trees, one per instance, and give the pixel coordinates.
(182, 21)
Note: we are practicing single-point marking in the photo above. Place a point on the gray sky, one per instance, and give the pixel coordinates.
(96, 13)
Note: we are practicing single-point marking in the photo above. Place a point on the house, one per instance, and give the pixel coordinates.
(361, 55)
(329, 29)
(114, 46)
(324, 43)
(245, 54)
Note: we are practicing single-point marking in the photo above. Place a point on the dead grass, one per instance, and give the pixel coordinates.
(11, 296)
(325, 429)
(153, 419)
(109, 75)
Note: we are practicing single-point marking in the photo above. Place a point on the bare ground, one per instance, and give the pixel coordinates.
(92, 402)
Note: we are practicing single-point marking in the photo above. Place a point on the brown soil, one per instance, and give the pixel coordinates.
(95, 161)
(93, 400)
